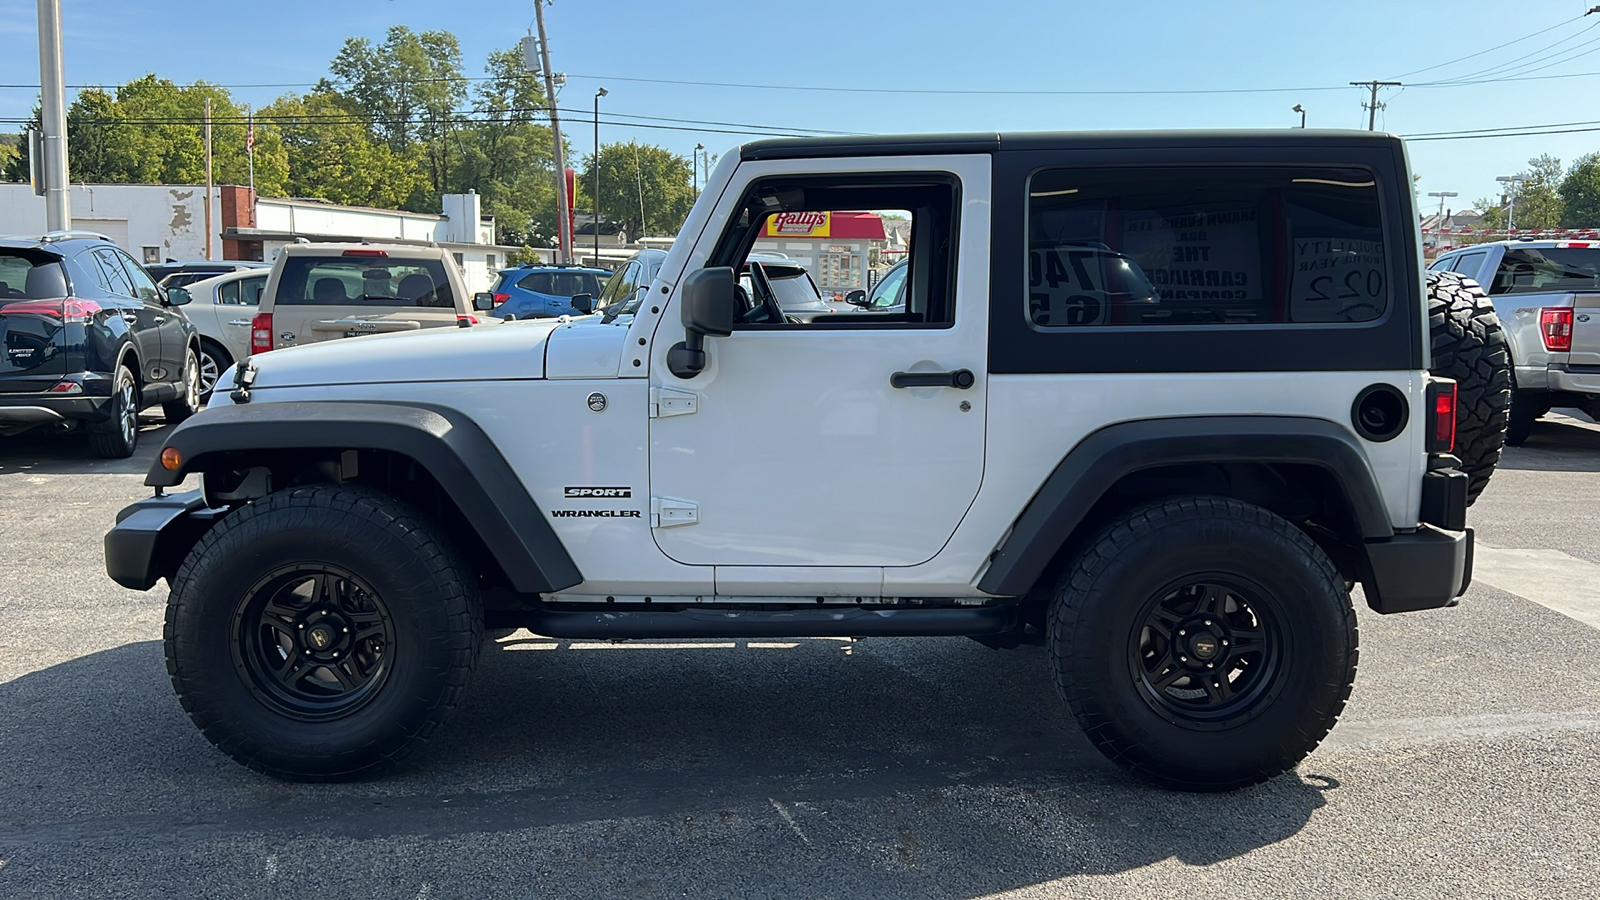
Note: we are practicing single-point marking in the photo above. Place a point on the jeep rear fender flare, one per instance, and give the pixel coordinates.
(1106, 456)
(446, 442)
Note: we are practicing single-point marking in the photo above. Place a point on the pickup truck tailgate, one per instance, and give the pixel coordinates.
(1585, 330)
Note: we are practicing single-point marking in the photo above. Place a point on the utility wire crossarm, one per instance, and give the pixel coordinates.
(1374, 105)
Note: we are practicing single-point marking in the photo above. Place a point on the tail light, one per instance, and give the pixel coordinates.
(501, 298)
(70, 310)
(465, 321)
(261, 333)
(1555, 326)
(1441, 415)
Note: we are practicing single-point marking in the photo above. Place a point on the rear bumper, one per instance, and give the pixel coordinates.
(1577, 379)
(42, 409)
(1425, 569)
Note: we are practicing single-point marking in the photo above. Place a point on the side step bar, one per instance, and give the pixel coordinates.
(706, 623)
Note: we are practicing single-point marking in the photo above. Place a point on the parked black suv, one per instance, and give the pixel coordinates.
(89, 341)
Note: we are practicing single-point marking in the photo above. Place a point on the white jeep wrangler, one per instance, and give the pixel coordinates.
(1156, 401)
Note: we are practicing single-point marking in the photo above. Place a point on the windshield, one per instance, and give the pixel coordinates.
(792, 287)
(357, 281)
(1529, 270)
(887, 291)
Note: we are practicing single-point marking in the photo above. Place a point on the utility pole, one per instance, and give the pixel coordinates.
(1374, 106)
(563, 211)
(208, 178)
(694, 174)
(597, 95)
(53, 119)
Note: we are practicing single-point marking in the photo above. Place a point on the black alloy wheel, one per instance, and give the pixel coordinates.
(313, 642)
(1207, 652)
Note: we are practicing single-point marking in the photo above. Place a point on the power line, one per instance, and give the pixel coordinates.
(1490, 50)
(1519, 66)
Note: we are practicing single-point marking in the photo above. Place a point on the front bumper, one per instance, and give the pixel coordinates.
(151, 537)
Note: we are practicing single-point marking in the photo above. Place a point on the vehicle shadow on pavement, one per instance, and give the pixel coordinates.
(919, 768)
(1557, 444)
(44, 452)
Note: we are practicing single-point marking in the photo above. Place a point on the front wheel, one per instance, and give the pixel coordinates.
(1204, 644)
(322, 633)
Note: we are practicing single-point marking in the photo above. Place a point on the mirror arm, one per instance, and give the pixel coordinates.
(687, 358)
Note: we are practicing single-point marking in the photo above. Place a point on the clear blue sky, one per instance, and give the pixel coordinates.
(996, 45)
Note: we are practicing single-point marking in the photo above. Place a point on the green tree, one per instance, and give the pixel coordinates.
(1580, 193)
(409, 87)
(645, 188)
(333, 156)
(1538, 201)
(507, 154)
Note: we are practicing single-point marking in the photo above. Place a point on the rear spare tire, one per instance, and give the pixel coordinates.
(1470, 347)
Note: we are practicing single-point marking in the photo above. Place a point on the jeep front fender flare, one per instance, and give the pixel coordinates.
(1103, 458)
(446, 442)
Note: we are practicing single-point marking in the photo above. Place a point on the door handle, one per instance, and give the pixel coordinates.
(238, 321)
(160, 319)
(960, 379)
(130, 317)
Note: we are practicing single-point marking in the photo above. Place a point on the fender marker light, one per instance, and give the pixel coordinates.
(171, 459)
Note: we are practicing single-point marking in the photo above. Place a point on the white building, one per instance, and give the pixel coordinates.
(157, 222)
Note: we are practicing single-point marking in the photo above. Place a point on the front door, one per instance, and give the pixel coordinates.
(831, 442)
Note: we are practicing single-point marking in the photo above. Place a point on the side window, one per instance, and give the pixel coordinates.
(115, 278)
(1533, 270)
(800, 243)
(1204, 247)
(228, 292)
(1468, 264)
(1440, 265)
(144, 286)
(250, 290)
(538, 282)
(620, 289)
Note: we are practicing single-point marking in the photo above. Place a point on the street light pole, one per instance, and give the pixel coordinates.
(597, 95)
(53, 119)
(1511, 205)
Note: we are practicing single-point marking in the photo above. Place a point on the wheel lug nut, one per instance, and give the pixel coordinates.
(1208, 623)
(302, 625)
(1224, 642)
(1183, 659)
(1182, 632)
(1210, 665)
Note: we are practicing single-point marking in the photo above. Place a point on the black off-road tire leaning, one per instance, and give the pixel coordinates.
(423, 581)
(189, 402)
(1097, 614)
(1469, 345)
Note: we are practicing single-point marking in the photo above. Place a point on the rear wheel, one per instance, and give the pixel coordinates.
(214, 360)
(1204, 644)
(1470, 347)
(322, 633)
(1525, 410)
(188, 401)
(118, 436)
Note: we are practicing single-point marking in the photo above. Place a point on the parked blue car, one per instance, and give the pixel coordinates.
(541, 291)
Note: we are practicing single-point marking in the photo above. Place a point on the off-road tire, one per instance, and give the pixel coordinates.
(432, 646)
(1525, 410)
(189, 402)
(1098, 618)
(118, 436)
(1469, 345)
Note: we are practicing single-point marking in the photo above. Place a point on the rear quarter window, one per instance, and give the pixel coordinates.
(1203, 248)
(363, 281)
(1530, 270)
(22, 278)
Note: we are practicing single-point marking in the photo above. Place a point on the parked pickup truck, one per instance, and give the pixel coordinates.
(1547, 296)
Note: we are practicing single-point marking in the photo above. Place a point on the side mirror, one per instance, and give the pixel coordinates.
(178, 297)
(583, 303)
(707, 302)
(857, 298)
(483, 301)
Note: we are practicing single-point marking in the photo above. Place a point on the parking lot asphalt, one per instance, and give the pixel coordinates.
(1464, 765)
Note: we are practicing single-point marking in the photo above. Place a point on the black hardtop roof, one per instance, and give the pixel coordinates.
(928, 144)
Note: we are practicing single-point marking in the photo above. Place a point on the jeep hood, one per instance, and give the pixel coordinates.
(501, 351)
